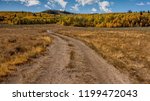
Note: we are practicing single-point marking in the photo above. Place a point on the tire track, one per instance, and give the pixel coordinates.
(68, 61)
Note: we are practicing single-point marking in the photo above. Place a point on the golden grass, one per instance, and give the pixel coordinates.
(18, 45)
(125, 48)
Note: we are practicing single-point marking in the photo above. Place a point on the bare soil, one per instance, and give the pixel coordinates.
(68, 61)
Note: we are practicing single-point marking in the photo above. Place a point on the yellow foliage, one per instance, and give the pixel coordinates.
(80, 20)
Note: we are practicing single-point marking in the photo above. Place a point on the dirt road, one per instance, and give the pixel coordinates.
(68, 60)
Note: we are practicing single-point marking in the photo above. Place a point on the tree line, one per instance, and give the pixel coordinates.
(130, 19)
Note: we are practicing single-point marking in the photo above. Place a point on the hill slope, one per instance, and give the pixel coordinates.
(56, 12)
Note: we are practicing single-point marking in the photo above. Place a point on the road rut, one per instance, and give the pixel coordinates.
(68, 61)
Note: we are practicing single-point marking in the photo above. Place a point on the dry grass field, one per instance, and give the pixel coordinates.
(128, 49)
(18, 44)
(125, 48)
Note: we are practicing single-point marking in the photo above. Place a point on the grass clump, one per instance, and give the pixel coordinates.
(19, 45)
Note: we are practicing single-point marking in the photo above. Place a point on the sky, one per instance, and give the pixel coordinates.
(76, 6)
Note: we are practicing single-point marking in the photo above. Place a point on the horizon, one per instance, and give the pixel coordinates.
(76, 6)
(73, 12)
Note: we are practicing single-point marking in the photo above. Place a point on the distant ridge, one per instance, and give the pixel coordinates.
(56, 12)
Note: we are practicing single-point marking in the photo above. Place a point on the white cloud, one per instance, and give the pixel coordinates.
(148, 3)
(61, 9)
(75, 7)
(26, 2)
(51, 3)
(62, 3)
(104, 6)
(94, 10)
(85, 2)
(46, 6)
(143, 3)
(140, 4)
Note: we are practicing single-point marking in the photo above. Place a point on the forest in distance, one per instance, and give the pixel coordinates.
(109, 20)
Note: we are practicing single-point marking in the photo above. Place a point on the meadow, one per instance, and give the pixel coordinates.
(125, 48)
(18, 45)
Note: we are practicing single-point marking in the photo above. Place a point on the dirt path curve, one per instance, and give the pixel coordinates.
(68, 60)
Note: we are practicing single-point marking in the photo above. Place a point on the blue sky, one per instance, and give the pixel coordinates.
(78, 6)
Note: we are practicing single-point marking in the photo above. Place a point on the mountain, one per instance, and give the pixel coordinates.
(56, 12)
